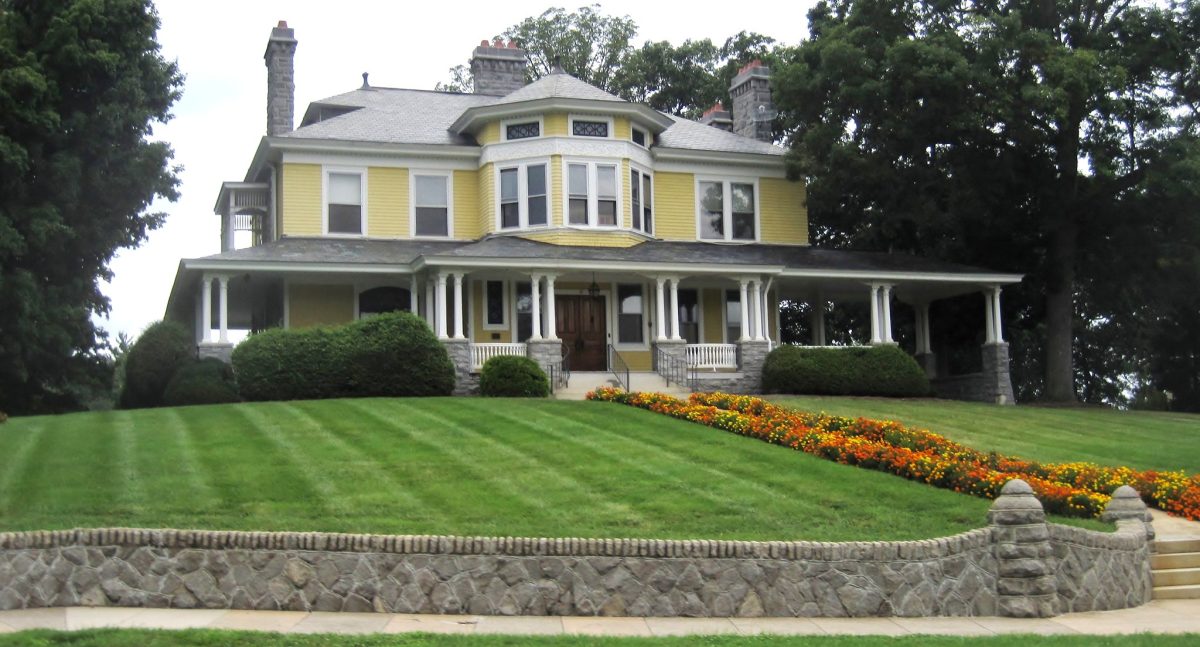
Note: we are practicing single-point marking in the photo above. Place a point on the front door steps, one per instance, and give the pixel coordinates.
(1175, 568)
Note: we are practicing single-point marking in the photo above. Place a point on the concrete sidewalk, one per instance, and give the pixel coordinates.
(1160, 616)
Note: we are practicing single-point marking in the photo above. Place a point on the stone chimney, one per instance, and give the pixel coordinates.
(753, 110)
(281, 83)
(498, 67)
(718, 117)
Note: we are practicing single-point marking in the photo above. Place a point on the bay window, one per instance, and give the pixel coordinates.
(642, 201)
(727, 210)
(523, 196)
(592, 192)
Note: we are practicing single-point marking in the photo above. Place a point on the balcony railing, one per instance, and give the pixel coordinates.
(711, 356)
(481, 353)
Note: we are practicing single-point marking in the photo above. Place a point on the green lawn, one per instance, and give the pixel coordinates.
(208, 638)
(1138, 439)
(468, 466)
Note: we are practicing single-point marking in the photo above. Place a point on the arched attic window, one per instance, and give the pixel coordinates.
(383, 299)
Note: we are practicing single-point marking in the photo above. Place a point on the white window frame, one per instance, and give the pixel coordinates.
(361, 172)
(727, 209)
(725, 314)
(412, 202)
(593, 210)
(523, 193)
(615, 315)
(644, 172)
(541, 122)
(504, 292)
(571, 119)
(645, 137)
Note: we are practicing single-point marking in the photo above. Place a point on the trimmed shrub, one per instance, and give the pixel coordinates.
(151, 362)
(392, 354)
(860, 370)
(205, 381)
(509, 376)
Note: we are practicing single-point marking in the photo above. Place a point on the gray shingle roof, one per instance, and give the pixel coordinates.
(694, 135)
(558, 86)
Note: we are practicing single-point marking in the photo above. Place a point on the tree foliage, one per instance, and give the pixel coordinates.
(81, 86)
(1021, 136)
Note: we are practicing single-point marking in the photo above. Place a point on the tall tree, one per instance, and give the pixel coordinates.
(81, 85)
(1002, 132)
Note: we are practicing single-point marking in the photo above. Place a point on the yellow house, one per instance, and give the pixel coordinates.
(549, 219)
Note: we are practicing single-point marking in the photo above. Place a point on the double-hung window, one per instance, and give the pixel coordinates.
(524, 196)
(592, 191)
(631, 312)
(431, 204)
(344, 213)
(727, 210)
(642, 201)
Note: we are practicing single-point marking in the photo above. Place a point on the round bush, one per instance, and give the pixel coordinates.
(392, 354)
(884, 370)
(151, 362)
(206, 381)
(508, 376)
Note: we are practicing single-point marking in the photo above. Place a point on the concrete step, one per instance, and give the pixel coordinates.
(1185, 592)
(1176, 577)
(1190, 545)
(1174, 560)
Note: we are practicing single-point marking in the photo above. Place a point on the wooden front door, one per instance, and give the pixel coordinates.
(581, 326)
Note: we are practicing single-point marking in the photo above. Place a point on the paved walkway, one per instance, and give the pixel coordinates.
(1160, 616)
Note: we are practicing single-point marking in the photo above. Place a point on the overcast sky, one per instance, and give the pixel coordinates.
(219, 46)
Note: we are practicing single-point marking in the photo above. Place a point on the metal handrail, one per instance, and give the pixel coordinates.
(675, 369)
(560, 373)
(617, 365)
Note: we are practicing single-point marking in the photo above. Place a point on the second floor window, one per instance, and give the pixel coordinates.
(522, 130)
(642, 201)
(523, 196)
(344, 203)
(584, 128)
(727, 211)
(592, 194)
(431, 205)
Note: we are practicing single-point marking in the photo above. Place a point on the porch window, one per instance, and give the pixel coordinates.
(689, 315)
(727, 210)
(431, 205)
(382, 299)
(494, 310)
(524, 311)
(642, 201)
(344, 200)
(630, 315)
(523, 196)
(592, 191)
(733, 316)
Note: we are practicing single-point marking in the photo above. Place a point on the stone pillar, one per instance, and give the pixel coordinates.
(281, 83)
(997, 381)
(751, 356)
(1025, 565)
(1127, 506)
(545, 353)
(465, 382)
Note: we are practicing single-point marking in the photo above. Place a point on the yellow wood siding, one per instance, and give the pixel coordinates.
(486, 199)
(675, 206)
(467, 224)
(555, 124)
(387, 202)
(316, 305)
(490, 133)
(301, 188)
(556, 190)
(714, 319)
(782, 211)
(626, 196)
(622, 129)
(585, 238)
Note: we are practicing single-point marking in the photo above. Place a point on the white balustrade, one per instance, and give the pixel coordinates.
(711, 356)
(481, 353)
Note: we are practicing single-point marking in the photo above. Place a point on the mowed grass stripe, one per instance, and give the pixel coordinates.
(530, 455)
(15, 448)
(188, 466)
(131, 492)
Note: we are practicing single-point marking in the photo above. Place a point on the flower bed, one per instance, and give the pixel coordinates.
(1074, 489)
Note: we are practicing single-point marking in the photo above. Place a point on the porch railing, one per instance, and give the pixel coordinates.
(711, 356)
(675, 369)
(619, 368)
(481, 353)
(559, 372)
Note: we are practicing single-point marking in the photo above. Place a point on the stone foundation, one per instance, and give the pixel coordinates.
(1000, 569)
(993, 384)
(465, 381)
(223, 352)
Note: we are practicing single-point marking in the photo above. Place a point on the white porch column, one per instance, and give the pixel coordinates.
(430, 303)
(886, 299)
(223, 308)
(756, 324)
(989, 318)
(816, 321)
(439, 296)
(675, 309)
(412, 296)
(458, 306)
(923, 341)
(535, 293)
(996, 315)
(551, 309)
(660, 314)
(745, 311)
(206, 309)
(875, 338)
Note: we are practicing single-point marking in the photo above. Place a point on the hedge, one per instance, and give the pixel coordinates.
(510, 376)
(153, 359)
(884, 370)
(392, 354)
(205, 381)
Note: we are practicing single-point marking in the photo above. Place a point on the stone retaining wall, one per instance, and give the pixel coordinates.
(961, 575)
